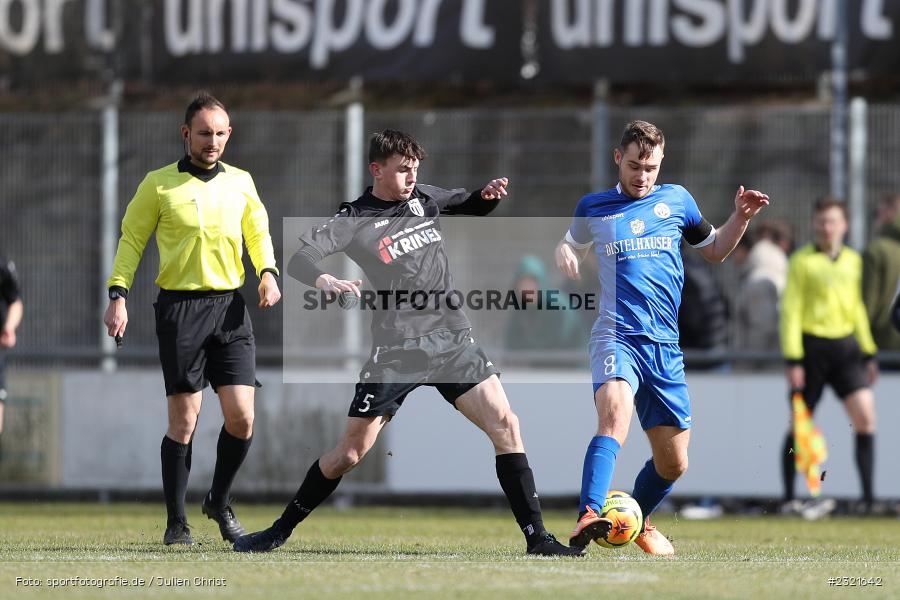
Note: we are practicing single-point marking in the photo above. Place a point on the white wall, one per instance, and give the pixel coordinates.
(112, 426)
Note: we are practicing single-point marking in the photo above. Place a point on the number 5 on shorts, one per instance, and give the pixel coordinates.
(366, 405)
(610, 364)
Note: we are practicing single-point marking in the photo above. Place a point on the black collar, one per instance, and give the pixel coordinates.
(373, 199)
(832, 258)
(186, 166)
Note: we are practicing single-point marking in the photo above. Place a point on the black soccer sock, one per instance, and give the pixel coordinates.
(788, 467)
(313, 491)
(230, 454)
(517, 482)
(865, 462)
(175, 471)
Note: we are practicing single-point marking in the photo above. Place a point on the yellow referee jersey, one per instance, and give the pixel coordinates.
(200, 222)
(823, 297)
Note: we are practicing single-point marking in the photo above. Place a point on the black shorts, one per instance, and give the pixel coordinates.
(450, 361)
(836, 362)
(204, 337)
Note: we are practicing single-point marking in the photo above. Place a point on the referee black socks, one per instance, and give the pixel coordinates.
(865, 462)
(176, 466)
(788, 468)
(230, 454)
(517, 482)
(313, 491)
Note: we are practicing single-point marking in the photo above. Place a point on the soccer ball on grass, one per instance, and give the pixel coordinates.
(626, 517)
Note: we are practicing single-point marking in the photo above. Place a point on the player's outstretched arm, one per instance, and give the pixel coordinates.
(13, 318)
(747, 204)
(495, 189)
(333, 285)
(568, 259)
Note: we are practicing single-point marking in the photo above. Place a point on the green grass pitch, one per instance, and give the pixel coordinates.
(368, 554)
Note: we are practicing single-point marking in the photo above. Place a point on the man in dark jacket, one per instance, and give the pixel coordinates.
(881, 273)
(703, 314)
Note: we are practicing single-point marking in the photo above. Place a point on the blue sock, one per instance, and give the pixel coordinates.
(599, 462)
(650, 488)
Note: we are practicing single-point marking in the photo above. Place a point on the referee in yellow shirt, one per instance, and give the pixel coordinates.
(826, 339)
(202, 211)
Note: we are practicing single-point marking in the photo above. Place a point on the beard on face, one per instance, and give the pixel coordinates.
(201, 157)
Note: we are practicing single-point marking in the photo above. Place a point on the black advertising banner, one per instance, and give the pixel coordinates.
(197, 41)
(723, 41)
(436, 40)
(576, 41)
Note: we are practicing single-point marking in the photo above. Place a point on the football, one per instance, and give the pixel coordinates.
(626, 517)
(347, 300)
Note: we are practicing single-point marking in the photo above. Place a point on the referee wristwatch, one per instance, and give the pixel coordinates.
(116, 292)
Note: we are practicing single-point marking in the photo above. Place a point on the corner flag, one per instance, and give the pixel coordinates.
(809, 445)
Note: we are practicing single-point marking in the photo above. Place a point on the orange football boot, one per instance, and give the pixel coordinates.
(653, 542)
(590, 526)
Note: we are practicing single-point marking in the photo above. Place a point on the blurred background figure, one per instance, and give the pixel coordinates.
(534, 329)
(703, 314)
(11, 310)
(826, 340)
(881, 273)
(763, 264)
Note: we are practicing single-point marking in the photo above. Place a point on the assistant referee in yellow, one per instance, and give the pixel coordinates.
(826, 339)
(202, 210)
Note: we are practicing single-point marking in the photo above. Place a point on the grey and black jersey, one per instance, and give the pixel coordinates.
(400, 248)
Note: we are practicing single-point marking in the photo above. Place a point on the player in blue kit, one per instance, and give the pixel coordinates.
(636, 230)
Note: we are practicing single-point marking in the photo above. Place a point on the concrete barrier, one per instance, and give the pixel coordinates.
(109, 428)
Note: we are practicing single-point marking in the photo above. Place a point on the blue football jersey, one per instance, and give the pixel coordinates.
(638, 249)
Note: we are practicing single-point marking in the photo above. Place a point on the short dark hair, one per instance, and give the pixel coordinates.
(389, 142)
(646, 135)
(202, 101)
(891, 201)
(776, 231)
(826, 202)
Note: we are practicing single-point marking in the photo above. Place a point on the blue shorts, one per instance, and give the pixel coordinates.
(654, 370)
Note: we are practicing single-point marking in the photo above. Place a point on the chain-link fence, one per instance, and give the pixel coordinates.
(51, 167)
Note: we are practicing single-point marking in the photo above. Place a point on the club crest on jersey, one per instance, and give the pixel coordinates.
(416, 207)
(662, 210)
(637, 227)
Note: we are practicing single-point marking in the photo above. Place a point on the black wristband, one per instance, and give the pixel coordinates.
(269, 270)
(116, 292)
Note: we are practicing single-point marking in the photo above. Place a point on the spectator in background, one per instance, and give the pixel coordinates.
(11, 310)
(764, 270)
(703, 314)
(588, 286)
(533, 328)
(881, 273)
(825, 337)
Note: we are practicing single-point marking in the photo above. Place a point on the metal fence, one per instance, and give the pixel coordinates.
(51, 168)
